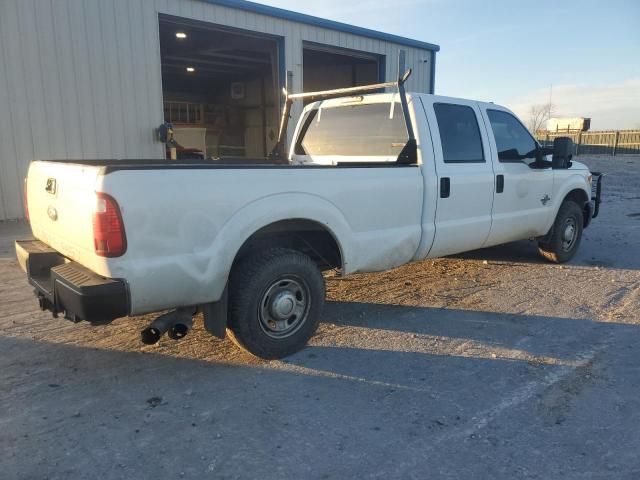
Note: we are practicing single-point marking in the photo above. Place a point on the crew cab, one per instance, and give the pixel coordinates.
(370, 182)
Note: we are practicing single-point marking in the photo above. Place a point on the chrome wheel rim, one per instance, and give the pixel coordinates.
(569, 234)
(284, 307)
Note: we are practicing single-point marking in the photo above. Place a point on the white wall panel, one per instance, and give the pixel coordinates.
(16, 108)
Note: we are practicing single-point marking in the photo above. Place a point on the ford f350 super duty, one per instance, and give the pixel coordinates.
(370, 182)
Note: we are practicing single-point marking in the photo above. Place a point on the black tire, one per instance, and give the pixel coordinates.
(561, 246)
(276, 297)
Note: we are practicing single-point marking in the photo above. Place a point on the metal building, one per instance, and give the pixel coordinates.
(84, 79)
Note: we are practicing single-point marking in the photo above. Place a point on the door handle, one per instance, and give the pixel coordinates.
(499, 183)
(445, 187)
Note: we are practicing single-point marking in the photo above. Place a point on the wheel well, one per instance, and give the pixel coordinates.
(306, 236)
(580, 197)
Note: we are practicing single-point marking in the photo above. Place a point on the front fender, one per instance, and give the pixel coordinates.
(562, 188)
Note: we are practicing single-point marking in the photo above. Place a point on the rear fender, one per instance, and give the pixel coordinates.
(263, 212)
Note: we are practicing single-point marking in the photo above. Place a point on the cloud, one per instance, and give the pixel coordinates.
(614, 106)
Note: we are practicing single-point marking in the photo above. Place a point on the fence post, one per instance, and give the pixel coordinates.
(615, 142)
(579, 140)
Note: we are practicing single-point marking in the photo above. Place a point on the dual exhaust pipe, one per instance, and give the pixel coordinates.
(176, 324)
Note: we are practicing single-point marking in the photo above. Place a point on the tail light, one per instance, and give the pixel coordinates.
(109, 238)
(24, 200)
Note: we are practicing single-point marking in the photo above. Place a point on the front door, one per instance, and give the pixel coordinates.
(522, 204)
(465, 175)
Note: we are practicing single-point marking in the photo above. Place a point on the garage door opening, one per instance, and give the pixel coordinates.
(219, 89)
(326, 68)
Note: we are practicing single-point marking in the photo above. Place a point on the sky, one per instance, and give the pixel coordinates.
(515, 53)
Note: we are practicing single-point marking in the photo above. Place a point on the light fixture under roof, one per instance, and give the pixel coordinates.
(181, 35)
(191, 69)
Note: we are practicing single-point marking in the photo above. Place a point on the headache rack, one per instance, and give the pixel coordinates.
(596, 191)
(408, 155)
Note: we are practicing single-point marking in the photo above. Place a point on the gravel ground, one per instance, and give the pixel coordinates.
(492, 364)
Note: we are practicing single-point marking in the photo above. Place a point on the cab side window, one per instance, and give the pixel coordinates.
(459, 133)
(513, 141)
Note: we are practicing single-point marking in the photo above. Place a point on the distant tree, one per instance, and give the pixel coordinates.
(538, 116)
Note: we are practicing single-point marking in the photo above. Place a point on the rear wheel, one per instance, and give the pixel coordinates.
(566, 235)
(275, 300)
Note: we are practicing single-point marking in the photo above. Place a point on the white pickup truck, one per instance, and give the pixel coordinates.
(371, 182)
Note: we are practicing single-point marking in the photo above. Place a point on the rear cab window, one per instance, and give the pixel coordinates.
(371, 133)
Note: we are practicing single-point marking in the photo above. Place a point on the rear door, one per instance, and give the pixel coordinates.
(522, 204)
(465, 174)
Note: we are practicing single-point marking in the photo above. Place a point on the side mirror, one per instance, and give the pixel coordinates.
(511, 155)
(562, 152)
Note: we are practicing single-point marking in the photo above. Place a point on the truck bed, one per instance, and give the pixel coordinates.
(186, 220)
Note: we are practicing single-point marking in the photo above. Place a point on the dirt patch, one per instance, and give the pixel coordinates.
(556, 402)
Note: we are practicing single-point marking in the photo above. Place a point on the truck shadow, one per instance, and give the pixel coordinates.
(590, 254)
(352, 338)
(391, 379)
(399, 340)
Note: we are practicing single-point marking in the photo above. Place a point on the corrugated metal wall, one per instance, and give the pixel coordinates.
(82, 78)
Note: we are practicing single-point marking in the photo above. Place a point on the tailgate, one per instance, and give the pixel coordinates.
(61, 199)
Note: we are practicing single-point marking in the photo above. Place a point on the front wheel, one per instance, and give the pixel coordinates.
(275, 300)
(566, 235)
